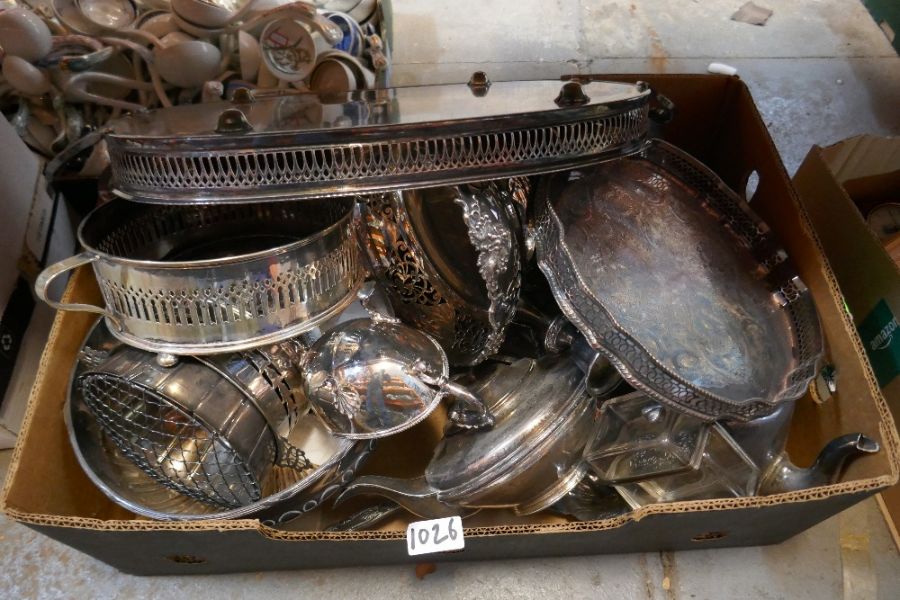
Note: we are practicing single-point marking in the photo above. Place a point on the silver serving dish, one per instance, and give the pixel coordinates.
(120, 465)
(668, 273)
(303, 145)
(213, 279)
(529, 460)
(450, 259)
(374, 377)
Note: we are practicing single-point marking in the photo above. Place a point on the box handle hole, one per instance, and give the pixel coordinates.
(708, 536)
(186, 559)
(751, 185)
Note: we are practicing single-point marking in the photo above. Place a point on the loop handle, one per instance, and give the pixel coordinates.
(42, 285)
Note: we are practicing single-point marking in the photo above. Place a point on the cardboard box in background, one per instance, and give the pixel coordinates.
(35, 229)
(838, 186)
(717, 122)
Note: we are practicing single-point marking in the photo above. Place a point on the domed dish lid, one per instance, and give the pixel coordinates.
(667, 272)
(372, 378)
(535, 403)
(305, 145)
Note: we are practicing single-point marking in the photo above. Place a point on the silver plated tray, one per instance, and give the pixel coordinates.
(288, 493)
(667, 272)
(303, 145)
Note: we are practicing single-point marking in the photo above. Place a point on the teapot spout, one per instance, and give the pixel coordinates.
(784, 476)
(414, 495)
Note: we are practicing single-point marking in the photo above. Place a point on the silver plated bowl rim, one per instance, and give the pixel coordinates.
(346, 446)
(346, 218)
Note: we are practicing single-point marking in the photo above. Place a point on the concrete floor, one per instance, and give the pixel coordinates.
(820, 71)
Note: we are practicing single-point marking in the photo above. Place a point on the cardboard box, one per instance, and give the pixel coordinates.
(716, 121)
(838, 185)
(35, 230)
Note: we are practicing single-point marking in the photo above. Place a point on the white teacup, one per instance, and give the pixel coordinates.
(24, 77)
(24, 34)
(158, 23)
(332, 75)
(362, 77)
(69, 14)
(290, 49)
(203, 13)
(249, 56)
(186, 62)
(108, 15)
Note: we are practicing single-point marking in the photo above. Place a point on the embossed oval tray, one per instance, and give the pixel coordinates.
(304, 145)
(667, 272)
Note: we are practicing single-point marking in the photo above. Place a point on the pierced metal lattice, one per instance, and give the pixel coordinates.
(157, 173)
(170, 445)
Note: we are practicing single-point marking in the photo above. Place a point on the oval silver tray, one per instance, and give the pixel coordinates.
(303, 145)
(667, 272)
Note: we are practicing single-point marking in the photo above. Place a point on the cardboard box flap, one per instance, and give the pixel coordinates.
(862, 156)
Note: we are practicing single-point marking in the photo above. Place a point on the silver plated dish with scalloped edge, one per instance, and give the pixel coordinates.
(667, 272)
(450, 259)
(304, 146)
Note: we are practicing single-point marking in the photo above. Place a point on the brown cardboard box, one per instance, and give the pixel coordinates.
(716, 121)
(838, 185)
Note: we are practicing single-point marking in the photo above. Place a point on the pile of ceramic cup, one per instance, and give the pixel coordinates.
(68, 66)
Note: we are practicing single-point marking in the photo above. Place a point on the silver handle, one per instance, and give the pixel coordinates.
(55, 270)
(367, 517)
(468, 413)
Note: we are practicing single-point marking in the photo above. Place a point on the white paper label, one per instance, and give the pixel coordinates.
(436, 535)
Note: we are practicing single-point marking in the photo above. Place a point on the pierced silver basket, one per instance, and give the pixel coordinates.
(211, 430)
(204, 280)
(284, 493)
(450, 259)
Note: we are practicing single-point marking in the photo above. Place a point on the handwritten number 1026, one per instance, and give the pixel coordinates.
(422, 535)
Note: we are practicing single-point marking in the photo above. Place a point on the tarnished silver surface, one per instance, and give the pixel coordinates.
(207, 279)
(288, 495)
(637, 438)
(652, 454)
(451, 260)
(212, 434)
(529, 460)
(360, 381)
(667, 272)
(532, 457)
(303, 145)
(372, 378)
